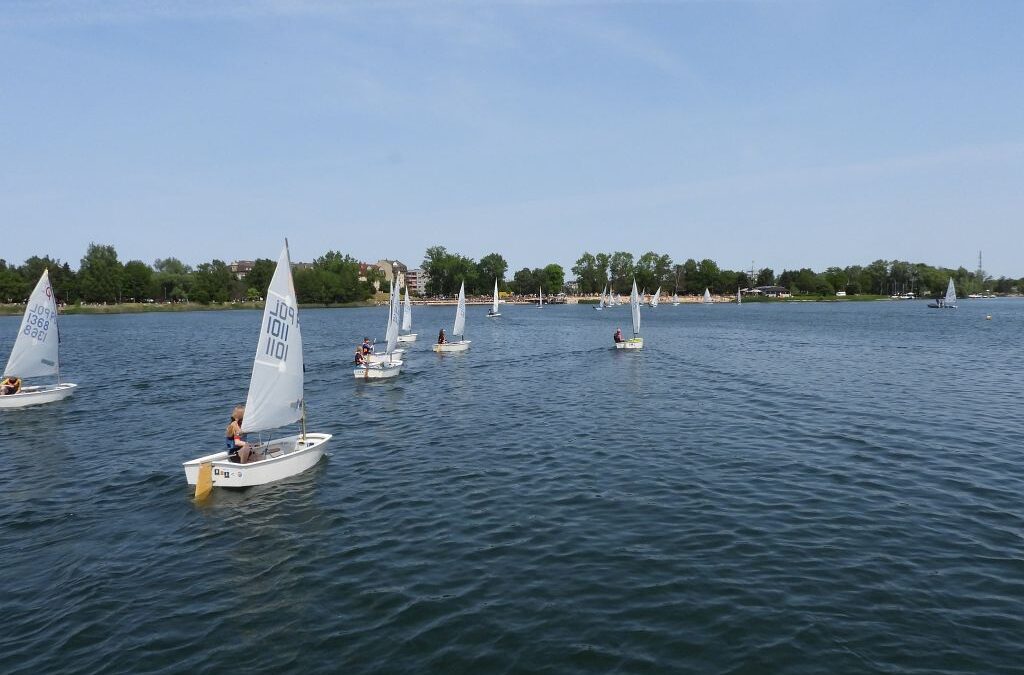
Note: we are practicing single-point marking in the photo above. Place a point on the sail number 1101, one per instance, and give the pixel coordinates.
(279, 323)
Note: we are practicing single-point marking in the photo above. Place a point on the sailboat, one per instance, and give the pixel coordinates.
(275, 400)
(635, 342)
(540, 298)
(675, 299)
(387, 365)
(707, 297)
(656, 298)
(601, 300)
(459, 329)
(36, 351)
(494, 304)
(948, 302)
(739, 297)
(407, 336)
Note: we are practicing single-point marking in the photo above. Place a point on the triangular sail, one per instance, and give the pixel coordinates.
(275, 390)
(494, 304)
(601, 301)
(656, 297)
(950, 293)
(407, 312)
(634, 305)
(739, 297)
(392, 331)
(675, 298)
(707, 295)
(540, 297)
(36, 351)
(460, 313)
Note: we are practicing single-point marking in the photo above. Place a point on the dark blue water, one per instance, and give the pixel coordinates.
(764, 489)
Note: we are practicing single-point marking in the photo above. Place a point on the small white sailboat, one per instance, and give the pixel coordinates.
(36, 351)
(601, 301)
(947, 302)
(407, 335)
(656, 298)
(459, 329)
(388, 365)
(494, 305)
(540, 298)
(675, 299)
(739, 296)
(707, 297)
(275, 400)
(635, 342)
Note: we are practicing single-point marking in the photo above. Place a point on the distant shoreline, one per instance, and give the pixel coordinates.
(146, 308)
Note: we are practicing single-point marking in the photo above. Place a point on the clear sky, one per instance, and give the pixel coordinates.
(790, 133)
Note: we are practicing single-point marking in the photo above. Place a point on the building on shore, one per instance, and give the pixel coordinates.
(417, 280)
(771, 291)
(391, 269)
(240, 268)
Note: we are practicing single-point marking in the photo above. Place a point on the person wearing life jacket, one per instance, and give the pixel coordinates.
(10, 385)
(359, 359)
(618, 335)
(367, 346)
(442, 338)
(238, 450)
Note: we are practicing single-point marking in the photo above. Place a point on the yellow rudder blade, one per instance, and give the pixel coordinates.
(204, 483)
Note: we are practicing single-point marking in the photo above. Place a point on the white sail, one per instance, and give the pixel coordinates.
(707, 295)
(634, 305)
(460, 313)
(739, 297)
(540, 297)
(950, 293)
(601, 301)
(407, 312)
(36, 351)
(675, 298)
(275, 390)
(494, 304)
(656, 297)
(392, 330)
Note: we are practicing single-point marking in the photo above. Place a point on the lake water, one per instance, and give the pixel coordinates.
(785, 488)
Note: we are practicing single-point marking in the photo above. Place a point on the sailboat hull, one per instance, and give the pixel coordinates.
(285, 457)
(491, 315)
(37, 396)
(384, 358)
(408, 337)
(460, 346)
(632, 343)
(379, 371)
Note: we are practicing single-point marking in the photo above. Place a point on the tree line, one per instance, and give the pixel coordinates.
(102, 278)
(447, 271)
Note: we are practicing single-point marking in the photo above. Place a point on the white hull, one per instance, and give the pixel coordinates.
(384, 358)
(37, 395)
(380, 371)
(460, 346)
(632, 343)
(408, 337)
(491, 315)
(285, 457)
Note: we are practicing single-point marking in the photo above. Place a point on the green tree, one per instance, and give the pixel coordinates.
(620, 269)
(552, 278)
(138, 278)
(259, 276)
(448, 271)
(524, 282)
(492, 266)
(13, 287)
(212, 282)
(765, 277)
(836, 278)
(101, 274)
(588, 276)
(707, 274)
(173, 279)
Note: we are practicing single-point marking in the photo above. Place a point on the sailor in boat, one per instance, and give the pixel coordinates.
(367, 346)
(442, 338)
(238, 450)
(10, 385)
(359, 359)
(618, 335)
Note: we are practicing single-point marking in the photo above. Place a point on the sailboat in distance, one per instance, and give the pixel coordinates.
(388, 365)
(36, 351)
(947, 302)
(540, 298)
(675, 299)
(275, 400)
(459, 329)
(739, 297)
(494, 303)
(707, 297)
(656, 298)
(407, 335)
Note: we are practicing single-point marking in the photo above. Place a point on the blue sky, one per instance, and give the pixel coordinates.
(788, 133)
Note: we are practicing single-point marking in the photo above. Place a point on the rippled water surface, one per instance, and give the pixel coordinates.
(764, 489)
